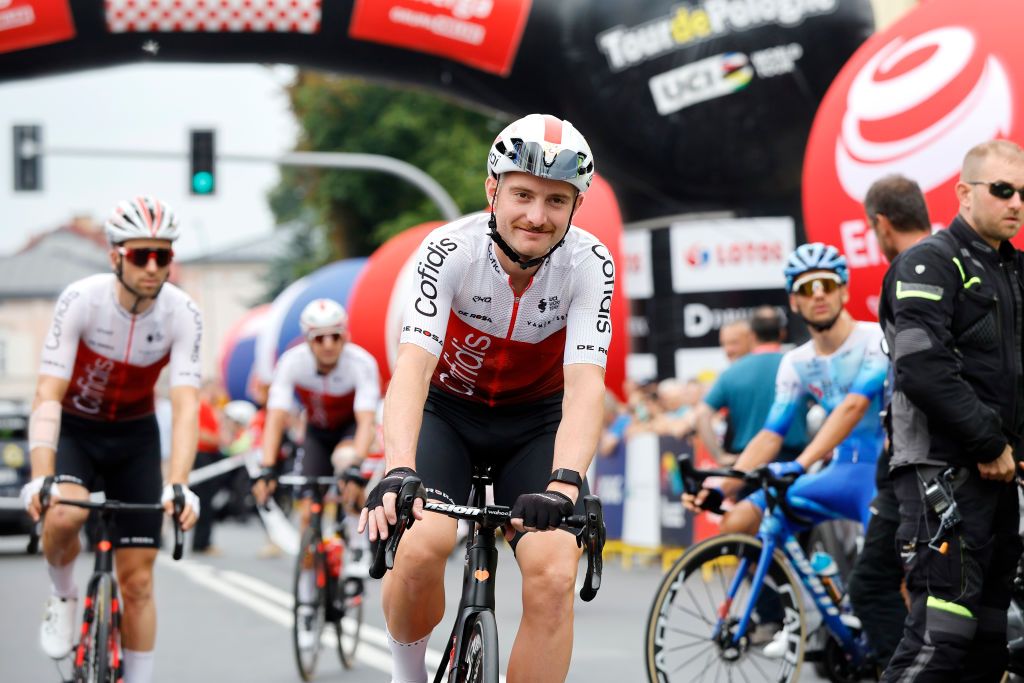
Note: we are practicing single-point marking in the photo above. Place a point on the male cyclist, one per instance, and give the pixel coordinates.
(93, 417)
(502, 356)
(338, 385)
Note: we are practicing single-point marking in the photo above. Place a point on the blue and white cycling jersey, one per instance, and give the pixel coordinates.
(859, 366)
(846, 486)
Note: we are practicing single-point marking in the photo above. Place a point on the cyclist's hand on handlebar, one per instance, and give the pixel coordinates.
(30, 496)
(190, 512)
(264, 485)
(703, 499)
(379, 511)
(541, 511)
(781, 469)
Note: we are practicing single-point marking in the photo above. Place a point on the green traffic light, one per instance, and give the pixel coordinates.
(202, 182)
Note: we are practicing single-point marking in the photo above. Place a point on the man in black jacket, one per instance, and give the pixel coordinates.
(954, 330)
(896, 209)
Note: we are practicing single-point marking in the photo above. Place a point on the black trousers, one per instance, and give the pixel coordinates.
(956, 629)
(874, 586)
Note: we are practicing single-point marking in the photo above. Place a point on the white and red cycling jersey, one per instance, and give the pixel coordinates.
(494, 347)
(113, 358)
(332, 399)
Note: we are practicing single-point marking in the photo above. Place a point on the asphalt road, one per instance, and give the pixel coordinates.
(228, 618)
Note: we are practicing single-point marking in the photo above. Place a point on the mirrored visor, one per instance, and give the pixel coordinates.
(563, 165)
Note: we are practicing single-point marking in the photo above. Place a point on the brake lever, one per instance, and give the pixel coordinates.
(179, 534)
(385, 552)
(595, 534)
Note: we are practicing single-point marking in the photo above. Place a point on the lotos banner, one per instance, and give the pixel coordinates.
(912, 100)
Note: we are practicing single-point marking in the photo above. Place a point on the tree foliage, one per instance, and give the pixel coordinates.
(353, 212)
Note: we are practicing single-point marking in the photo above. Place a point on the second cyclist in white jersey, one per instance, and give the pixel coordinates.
(93, 419)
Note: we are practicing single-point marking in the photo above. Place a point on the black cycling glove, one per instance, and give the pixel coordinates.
(391, 483)
(542, 510)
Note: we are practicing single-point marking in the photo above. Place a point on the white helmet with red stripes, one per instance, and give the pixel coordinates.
(142, 218)
(544, 146)
(323, 315)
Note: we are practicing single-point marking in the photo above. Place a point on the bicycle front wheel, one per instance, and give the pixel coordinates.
(309, 615)
(681, 639)
(478, 662)
(92, 662)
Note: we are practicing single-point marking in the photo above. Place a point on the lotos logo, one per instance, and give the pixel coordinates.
(912, 100)
(698, 256)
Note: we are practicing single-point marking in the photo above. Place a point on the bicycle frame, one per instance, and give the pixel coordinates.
(777, 531)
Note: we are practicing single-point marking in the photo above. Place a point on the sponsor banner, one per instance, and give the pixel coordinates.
(32, 23)
(726, 254)
(483, 34)
(701, 316)
(912, 100)
(212, 16)
(675, 531)
(609, 484)
(636, 254)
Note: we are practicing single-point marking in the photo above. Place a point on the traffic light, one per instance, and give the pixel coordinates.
(28, 160)
(202, 179)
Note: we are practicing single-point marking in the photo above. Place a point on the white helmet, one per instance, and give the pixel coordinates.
(323, 315)
(240, 411)
(544, 146)
(142, 218)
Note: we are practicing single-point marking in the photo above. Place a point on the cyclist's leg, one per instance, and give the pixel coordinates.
(548, 562)
(413, 592)
(745, 517)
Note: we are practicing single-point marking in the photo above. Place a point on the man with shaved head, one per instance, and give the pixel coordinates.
(736, 339)
(954, 329)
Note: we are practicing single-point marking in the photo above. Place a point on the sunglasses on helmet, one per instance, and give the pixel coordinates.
(532, 158)
(320, 338)
(1000, 189)
(809, 284)
(140, 256)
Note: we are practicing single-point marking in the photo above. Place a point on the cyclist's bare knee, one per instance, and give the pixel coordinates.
(62, 524)
(549, 562)
(742, 519)
(135, 574)
(426, 545)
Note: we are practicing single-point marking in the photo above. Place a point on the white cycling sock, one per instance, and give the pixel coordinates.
(408, 660)
(307, 586)
(138, 666)
(63, 580)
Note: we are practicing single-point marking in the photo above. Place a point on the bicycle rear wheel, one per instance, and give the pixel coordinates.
(92, 662)
(349, 626)
(478, 662)
(681, 644)
(309, 617)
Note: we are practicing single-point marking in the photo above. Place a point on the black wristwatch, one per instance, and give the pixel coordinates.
(567, 476)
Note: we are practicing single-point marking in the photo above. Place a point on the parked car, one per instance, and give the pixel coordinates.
(15, 468)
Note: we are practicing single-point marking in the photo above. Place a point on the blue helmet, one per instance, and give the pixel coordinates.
(815, 256)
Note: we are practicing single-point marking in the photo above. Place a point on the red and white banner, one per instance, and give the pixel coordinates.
(722, 255)
(483, 34)
(912, 100)
(213, 16)
(31, 23)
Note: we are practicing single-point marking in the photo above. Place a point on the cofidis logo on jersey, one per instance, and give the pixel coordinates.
(911, 101)
(428, 272)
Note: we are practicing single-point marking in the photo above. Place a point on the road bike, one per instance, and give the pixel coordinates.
(97, 657)
(700, 625)
(471, 653)
(338, 599)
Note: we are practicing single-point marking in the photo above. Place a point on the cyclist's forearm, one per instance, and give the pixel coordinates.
(836, 428)
(44, 424)
(272, 431)
(403, 406)
(184, 432)
(707, 433)
(761, 450)
(580, 428)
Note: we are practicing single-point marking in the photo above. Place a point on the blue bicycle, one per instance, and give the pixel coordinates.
(701, 623)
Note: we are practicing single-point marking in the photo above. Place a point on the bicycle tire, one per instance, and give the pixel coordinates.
(92, 655)
(478, 660)
(667, 660)
(308, 557)
(350, 625)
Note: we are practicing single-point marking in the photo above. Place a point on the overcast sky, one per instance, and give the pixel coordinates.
(148, 107)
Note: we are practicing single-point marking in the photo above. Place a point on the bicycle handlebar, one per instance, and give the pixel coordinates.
(349, 475)
(591, 522)
(763, 477)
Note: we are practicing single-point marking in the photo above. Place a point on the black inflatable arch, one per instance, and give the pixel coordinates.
(694, 105)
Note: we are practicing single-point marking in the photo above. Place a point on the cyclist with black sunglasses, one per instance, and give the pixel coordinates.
(501, 361)
(953, 315)
(337, 384)
(93, 418)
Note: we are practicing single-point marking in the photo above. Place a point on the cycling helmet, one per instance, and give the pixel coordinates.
(241, 412)
(544, 146)
(815, 256)
(323, 315)
(142, 218)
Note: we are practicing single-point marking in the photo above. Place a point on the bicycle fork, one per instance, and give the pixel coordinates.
(477, 596)
(757, 582)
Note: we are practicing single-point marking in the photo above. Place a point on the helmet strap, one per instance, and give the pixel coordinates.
(512, 254)
(139, 298)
